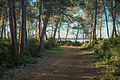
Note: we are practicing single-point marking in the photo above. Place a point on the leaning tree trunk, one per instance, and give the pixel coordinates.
(45, 25)
(40, 13)
(55, 29)
(106, 18)
(14, 44)
(114, 19)
(22, 29)
(60, 27)
(94, 31)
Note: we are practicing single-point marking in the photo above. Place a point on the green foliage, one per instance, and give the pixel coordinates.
(26, 59)
(33, 46)
(5, 53)
(69, 43)
(2, 72)
(50, 43)
(109, 51)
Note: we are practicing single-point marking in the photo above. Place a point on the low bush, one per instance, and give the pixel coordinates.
(109, 51)
(50, 43)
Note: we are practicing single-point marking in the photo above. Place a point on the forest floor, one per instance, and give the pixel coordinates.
(72, 64)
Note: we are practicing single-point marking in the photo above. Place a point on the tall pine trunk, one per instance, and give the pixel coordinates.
(106, 18)
(2, 28)
(22, 30)
(40, 13)
(101, 25)
(14, 44)
(95, 22)
(113, 12)
(14, 19)
(25, 31)
(61, 17)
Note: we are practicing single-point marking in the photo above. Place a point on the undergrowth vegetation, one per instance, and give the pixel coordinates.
(107, 50)
(69, 43)
(6, 54)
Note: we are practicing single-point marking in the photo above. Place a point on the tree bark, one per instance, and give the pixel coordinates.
(40, 13)
(77, 34)
(45, 25)
(55, 29)
(2, 28)
(14, 19)
(14, 44)
(94, 31)
(52, 31)
(114, 19)
(25, 31)
(61, 17)
(101, 25)
(106, 18)
(5, 29)
(67, 34)
(22, 29)
(118, 28)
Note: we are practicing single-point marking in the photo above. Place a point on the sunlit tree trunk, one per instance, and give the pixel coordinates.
(118, 28)
(22, 29)
(2, 28)
(101, 25)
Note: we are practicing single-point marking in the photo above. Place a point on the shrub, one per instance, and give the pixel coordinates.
(109, 51)
(76, 44)
(50, 43)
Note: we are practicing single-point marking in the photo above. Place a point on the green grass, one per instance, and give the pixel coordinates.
(53, 51)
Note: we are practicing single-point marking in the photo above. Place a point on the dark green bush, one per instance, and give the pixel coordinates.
(76, 44)
(50, 43)
(26, 59)
(33, 46)
(109, 51)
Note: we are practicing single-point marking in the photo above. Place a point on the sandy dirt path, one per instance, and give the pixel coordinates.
(72, 64)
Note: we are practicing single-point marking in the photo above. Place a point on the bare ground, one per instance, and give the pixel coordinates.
(72, 64)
